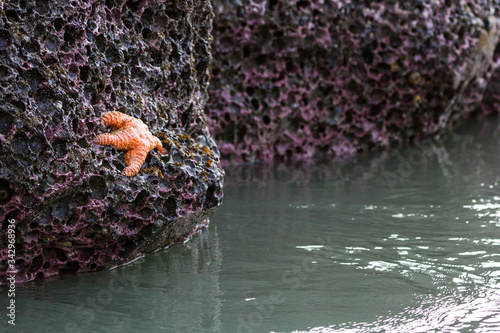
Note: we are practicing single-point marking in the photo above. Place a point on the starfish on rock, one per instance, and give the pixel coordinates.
(129, 134)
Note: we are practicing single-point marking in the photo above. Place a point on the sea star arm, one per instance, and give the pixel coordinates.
(115, 119)
(134, 160)
(117, 139)
(159, 146)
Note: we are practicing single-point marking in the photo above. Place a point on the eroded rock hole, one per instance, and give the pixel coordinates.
(169, 209)
(5, 39)
(70, 267)
(6, 122)
(5, 192)
(212, 196)
(98, 187)
(36, 264)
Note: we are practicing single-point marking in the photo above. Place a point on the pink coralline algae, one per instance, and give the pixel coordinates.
(63, 65)
(297, 79)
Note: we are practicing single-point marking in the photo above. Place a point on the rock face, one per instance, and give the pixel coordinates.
(63, 64)
(296, 79)
(490, 104)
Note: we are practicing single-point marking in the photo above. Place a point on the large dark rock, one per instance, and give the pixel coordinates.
(63, 64)
(295, 79)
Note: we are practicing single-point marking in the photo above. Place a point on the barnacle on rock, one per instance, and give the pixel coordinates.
(414, 78)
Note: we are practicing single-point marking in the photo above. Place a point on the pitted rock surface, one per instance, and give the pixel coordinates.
(295, 79)
(63, 64)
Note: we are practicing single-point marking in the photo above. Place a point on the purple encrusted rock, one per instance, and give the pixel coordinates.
(63, 64)
(297, 79)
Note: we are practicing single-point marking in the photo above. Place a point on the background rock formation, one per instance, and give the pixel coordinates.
(295, 79)
(63, 64)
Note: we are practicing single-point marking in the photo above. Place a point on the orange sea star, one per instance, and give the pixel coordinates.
(129, 134)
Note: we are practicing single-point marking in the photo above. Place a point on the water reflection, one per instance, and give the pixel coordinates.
(428, 244)
(169, 291)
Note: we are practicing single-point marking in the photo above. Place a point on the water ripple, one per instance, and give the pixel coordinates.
(447, 313)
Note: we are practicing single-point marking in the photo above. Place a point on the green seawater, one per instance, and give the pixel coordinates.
(400, 241)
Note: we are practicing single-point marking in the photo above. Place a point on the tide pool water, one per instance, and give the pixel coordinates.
(400, 241)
